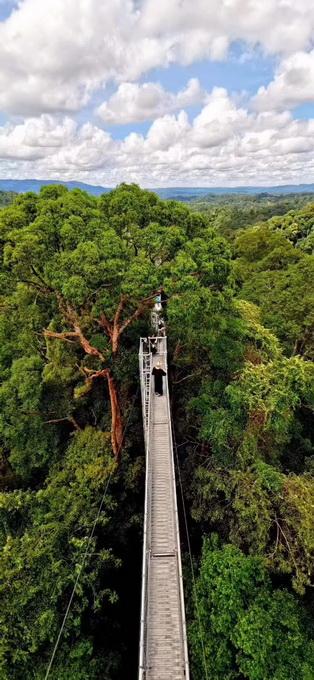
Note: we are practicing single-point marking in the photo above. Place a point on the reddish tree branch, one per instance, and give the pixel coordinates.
(89, 349)
(80, 337)
(92, 375)
(65, 337)
(104, 323)
(116, 416)
(119, 310)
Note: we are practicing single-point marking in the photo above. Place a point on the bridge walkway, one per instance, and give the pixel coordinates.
(163, 645)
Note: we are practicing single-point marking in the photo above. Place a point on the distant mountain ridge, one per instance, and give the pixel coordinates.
(21, 185)
(176, 193)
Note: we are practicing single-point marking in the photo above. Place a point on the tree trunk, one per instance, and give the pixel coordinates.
(116, 418)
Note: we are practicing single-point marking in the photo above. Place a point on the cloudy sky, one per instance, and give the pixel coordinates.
(158, 92)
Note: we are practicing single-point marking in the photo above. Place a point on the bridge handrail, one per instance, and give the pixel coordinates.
(147, 423)
(179, 561)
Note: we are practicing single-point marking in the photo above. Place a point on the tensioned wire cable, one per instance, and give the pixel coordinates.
(90, 538)
(200, 627)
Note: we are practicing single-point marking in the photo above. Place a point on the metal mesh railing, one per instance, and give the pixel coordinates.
(145, 361)
(179, 562)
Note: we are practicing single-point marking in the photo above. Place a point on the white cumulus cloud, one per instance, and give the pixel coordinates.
(133, 102)
(225, 144)
(293, 84)
(55, 141)
(218, 120)
(280, 26)
(55, 54)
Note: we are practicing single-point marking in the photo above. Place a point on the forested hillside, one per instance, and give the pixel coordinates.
(78, 279)
(230, 212)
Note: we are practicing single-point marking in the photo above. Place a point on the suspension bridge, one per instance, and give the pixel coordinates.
(163, 653)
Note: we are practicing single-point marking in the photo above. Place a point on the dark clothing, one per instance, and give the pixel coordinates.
(158, 374)
(163, 298)
(153, 347)
(161, 327)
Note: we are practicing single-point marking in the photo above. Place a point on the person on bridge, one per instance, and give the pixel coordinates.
(161, 327)
(153, 346)
(158, 374)
(157, 305)
(163, 301)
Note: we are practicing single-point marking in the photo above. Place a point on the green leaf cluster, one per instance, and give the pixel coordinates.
(244, 627)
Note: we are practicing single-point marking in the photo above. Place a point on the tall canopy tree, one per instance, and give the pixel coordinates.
(91, 269)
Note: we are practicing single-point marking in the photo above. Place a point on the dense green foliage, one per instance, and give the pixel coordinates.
(44, 534)
(256, 631)
(274, 268)
(78, 279)
(6, 197)
(248, 446)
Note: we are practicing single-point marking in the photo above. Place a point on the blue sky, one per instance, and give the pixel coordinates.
(233, 74)
(168, 92)
(5, 8)
(240, 76)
